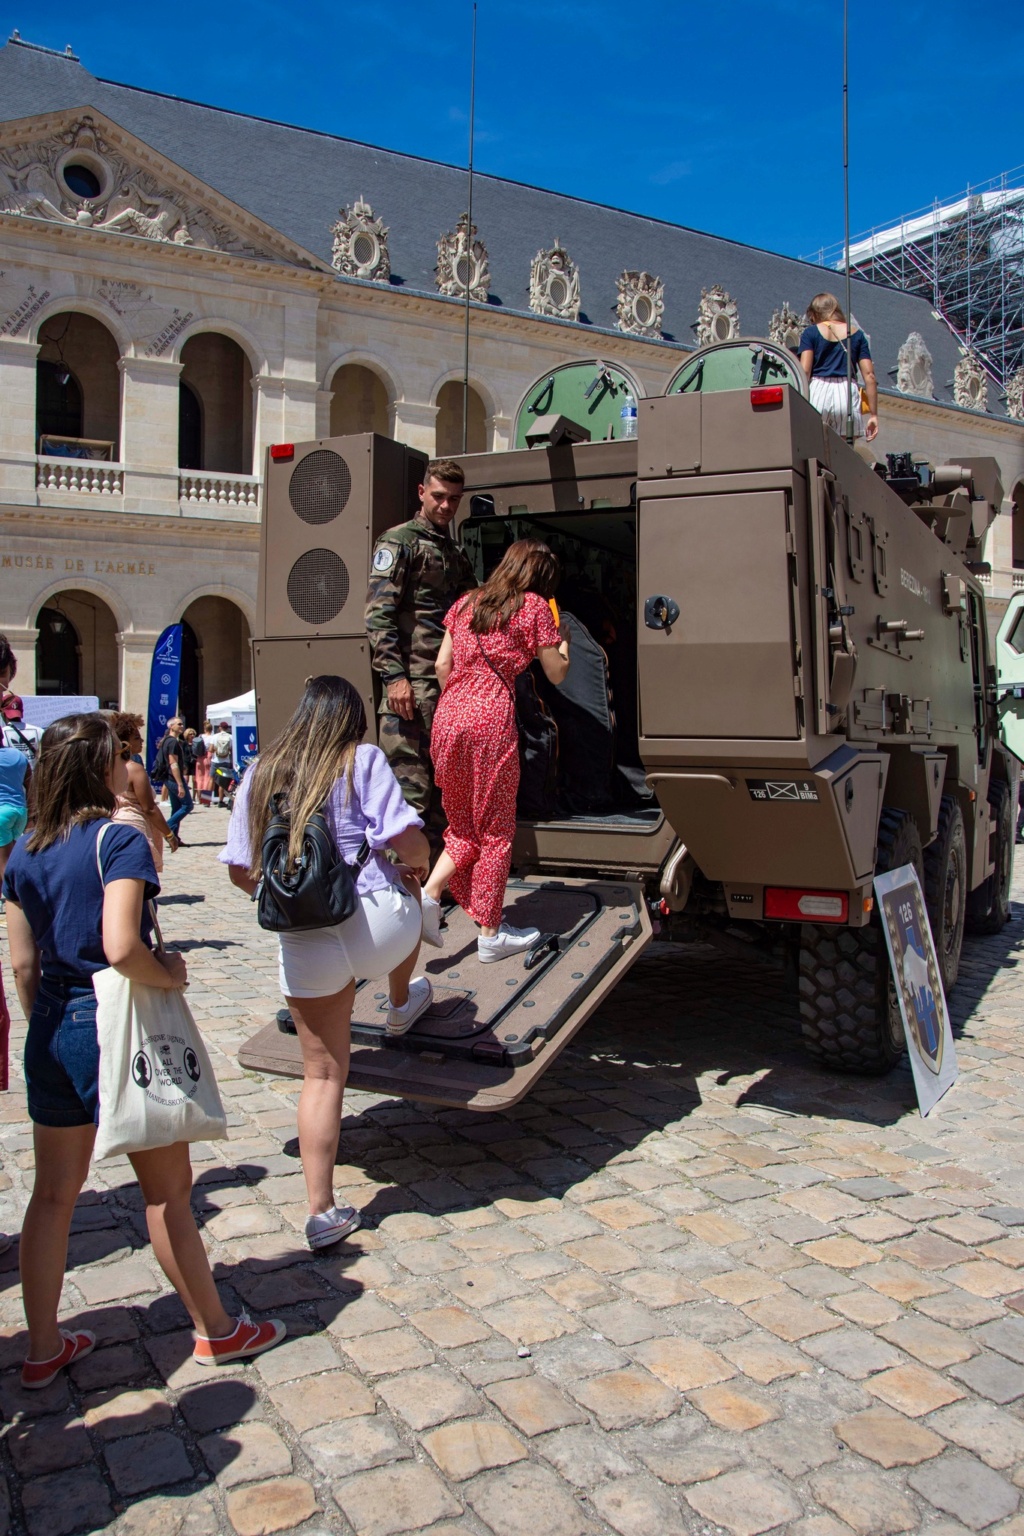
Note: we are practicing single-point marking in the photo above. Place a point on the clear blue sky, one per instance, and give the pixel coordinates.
(725, 117)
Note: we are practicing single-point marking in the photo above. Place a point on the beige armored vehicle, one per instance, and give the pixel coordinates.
(780, 684)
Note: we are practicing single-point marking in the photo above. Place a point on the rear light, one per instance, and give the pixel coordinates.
(770, 394)
(281, 451)
(806, 906)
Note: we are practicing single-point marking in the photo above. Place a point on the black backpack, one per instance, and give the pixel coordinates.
(320, 891)
(160, 771)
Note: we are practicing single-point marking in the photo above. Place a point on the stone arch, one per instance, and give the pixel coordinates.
(491, 406)
(75, 582)
(77, 644)
(225, 589)
(1017, 525)
(71, 303)
(217, 372)
(360, 401)
(78, 383)
(258, 360)
(368, 360)
(222, 628)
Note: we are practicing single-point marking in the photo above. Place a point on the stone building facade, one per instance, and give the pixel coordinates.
(171, 317)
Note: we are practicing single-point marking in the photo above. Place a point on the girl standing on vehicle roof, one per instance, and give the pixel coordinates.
(490, 637)
(823, 357)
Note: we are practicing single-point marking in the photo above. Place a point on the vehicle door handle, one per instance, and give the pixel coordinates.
(660, 612)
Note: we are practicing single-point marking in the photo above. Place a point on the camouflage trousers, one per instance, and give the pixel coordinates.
(406, 745)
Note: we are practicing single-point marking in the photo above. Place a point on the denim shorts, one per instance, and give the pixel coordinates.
(62, 1055)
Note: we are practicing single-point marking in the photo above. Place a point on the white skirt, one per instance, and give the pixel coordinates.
(830, 397)
(383, 930)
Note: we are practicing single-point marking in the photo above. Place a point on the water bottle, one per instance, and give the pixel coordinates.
(627, 418)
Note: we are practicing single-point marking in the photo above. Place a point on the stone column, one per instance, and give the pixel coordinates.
(135, 654)
(499, 433)
(323, 412)
(18, 420)
(23, 644)
(285, 412)
(416, 425)
(149, 434)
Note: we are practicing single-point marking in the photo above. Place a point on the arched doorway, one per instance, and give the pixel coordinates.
(359, 402)
(78, 389)
(76, 652)
(449, 421)
(215, 424)
(216, 662)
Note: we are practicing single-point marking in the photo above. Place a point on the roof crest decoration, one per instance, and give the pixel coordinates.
(462, 263)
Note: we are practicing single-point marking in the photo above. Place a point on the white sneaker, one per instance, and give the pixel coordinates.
(507, 941)
(331, 1226)
(432, 922)
(421, 995)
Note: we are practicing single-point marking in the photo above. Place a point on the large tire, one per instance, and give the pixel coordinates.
(945, 889)
(988, 907)
(849, 1012)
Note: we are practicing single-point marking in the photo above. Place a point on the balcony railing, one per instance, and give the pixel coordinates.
(205, 490)
(81, 477)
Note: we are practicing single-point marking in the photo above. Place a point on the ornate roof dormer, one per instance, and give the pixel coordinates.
(786, 327)
(914, 368)
(717, 316)
(462, 263)
(641, 304)
(1015, 395)
(555, 284)
(970, 382)
(361, 244)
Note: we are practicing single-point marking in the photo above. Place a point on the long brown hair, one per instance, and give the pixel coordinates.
(526, 566)
(825, 306)
(75, 756)
(316, 748)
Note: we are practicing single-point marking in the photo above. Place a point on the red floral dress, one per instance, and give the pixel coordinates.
(475, 748)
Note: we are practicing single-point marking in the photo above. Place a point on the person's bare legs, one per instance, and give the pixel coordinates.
(165, 1178)
(400, 977)
(61, 1166)
(439, 876)
(323, 1025)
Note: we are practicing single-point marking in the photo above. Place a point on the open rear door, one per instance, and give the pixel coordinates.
(492, 1030)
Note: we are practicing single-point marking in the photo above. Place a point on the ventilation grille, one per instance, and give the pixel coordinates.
(318, 584)
(320, 487)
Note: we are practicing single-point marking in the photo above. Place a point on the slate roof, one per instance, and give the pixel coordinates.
(296, 180)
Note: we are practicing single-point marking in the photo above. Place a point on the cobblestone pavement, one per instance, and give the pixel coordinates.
(692, 1284)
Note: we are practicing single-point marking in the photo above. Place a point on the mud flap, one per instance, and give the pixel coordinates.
(492, 1030)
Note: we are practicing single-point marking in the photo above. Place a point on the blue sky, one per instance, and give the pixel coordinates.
(725, 117)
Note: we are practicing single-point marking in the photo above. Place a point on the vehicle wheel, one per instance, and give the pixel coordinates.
(988, 908)
(849, 1011)
(945, 888)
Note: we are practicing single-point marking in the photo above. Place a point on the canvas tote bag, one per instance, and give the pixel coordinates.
(157, 1085)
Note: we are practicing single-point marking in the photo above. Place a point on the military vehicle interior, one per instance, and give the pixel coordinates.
(598, 775)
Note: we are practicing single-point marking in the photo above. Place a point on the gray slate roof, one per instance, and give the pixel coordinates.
(296, 180)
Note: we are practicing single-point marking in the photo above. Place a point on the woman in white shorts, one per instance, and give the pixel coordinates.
(320, 762)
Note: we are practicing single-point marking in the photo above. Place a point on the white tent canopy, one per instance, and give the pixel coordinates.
(245, 704)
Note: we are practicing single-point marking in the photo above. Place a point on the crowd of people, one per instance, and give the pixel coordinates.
(429, 812)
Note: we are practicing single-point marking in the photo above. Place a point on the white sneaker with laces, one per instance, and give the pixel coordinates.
(432, 922)
(507, 941)
(331, 1226)
(421, 995)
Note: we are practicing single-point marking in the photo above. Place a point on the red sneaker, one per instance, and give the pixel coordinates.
(247, 1339)
(36, 1374)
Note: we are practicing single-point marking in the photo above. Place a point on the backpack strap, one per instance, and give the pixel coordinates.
(101, 834)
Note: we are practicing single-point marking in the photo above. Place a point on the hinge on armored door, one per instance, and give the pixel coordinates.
(879, 539)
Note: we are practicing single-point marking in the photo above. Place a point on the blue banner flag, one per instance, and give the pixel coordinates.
(164, 677)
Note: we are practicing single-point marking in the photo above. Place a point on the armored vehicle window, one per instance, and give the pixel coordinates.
(736, 365)
(1016, 635)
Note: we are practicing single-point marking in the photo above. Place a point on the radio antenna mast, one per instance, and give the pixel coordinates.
(846, 218)
(469, 251)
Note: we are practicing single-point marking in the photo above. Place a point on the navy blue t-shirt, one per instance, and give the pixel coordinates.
(830, 356)
(58, 889)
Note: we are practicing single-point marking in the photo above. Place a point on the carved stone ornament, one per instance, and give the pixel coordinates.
(641, 305)
(78, 177)
(970, 383)
(717, 316)
(462, 263)
(1015, 395)
(361, 244)
(126, 299)
(914, 368)
(555, 284)
(786, 327)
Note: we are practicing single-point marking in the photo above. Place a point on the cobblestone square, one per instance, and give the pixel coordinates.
(691, 1284)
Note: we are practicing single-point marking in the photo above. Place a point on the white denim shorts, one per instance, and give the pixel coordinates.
(382, 931)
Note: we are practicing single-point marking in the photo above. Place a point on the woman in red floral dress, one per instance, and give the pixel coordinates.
(491, 636)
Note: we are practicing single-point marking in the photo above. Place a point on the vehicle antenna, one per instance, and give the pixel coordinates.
(469, 252)
(846, 217)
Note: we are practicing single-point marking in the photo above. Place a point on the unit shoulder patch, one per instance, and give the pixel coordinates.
(383, 559)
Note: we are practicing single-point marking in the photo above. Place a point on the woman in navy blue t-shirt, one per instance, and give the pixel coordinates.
(74, 908)
(823, 356)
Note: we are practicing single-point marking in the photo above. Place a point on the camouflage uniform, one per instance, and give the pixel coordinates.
(416, 573)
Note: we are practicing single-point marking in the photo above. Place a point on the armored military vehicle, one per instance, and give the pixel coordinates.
(780, 684)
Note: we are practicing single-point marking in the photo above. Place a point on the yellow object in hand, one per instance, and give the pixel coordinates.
(554, 611)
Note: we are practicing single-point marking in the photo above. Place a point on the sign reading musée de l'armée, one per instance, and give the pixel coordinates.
(77, 565)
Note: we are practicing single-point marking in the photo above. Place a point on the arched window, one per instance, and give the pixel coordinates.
(78, 389)
(76, 652)
(190, 429)
(58, 654)
(449, 421)
(219, 376)
(218, 653)
(359, 402)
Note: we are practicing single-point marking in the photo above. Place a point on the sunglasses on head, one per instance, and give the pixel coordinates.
(125, 752)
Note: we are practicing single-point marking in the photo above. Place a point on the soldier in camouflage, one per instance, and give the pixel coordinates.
(416, 573)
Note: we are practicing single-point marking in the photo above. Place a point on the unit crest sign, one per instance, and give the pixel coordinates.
(383, 560)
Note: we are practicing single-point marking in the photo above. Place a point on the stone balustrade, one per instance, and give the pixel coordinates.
(197, 488)
(79, 477)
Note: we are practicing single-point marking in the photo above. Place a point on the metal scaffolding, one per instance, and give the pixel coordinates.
(967, 258)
